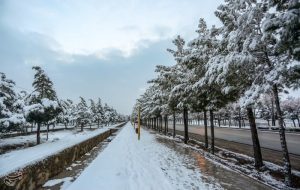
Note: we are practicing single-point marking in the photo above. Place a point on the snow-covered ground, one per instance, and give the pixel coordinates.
(51, 127)
(127, 163)
(43, 128)
(22, 139)
(58, 141)
(32, 138)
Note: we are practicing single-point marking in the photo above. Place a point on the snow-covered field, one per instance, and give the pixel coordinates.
(32, 138)
(127, 163)
(57, 142)
(22, 139)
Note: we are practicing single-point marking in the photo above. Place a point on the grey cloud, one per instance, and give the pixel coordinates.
(116, 79)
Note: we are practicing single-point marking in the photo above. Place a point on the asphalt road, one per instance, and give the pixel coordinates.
(268, 139)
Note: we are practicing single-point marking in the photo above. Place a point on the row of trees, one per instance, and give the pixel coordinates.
(87, 114)
(18, 110)
(255, 52)
(234, 116)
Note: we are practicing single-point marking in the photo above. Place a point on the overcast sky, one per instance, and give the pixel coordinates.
(95, 48)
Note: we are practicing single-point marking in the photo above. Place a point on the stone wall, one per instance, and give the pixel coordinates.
(35, 175)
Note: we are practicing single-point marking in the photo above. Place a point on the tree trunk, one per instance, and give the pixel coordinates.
(185, 122)
(81, 127)
(166, 122)
(205, 129)
(26, 129)
(256, 145)
(240, 124)
(211, 115)
(47, 131)
(294, 123)
(161, 123)
(158, 123)
(273, 114)
(151, 123)
(286, 158)
(174, 125)
(38, 130)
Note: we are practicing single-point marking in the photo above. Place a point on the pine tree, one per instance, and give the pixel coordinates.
(11, 116)
(178, 93)
(99, 112)
(237, 71)
(43, 104)
(82, 114)
(66, 115)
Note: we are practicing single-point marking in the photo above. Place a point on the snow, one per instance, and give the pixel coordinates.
(127, 163)
(49, 103)
(231, 163)
(15, 160)
(17, 140)
(57, 181)
(32, 138)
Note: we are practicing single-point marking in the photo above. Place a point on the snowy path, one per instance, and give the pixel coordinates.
(155, 163)
(146, 164)
(14, 160)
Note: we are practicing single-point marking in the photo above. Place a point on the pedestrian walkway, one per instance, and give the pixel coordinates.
(152, 164)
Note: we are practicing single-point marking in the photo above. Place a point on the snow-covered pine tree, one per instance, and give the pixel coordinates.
(82, 113)
(165, 81)
(106, 110)
(236, 72)
(100, 112)
(93, 112)
(66, 115)
(196, 60)
(179, 93)
(11, 116)
(291, 109)
(204, 57)
(43, 105)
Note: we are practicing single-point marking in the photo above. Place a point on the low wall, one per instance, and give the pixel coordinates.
(35, 175)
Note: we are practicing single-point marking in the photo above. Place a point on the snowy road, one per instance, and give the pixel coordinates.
(155, 163)
(268, 139)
